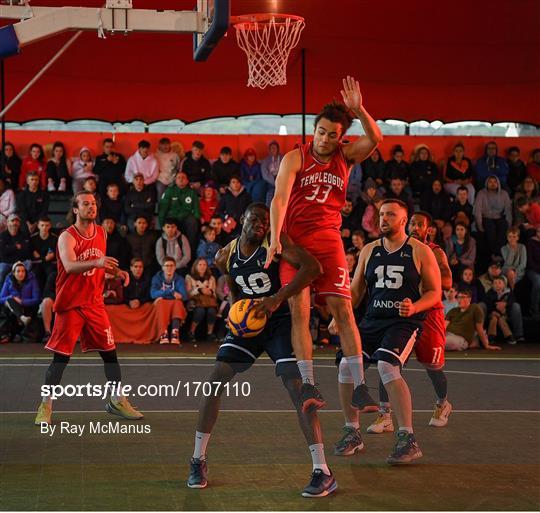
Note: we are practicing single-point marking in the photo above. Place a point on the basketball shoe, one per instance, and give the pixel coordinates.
(44, 414)
(198, 473)
(405, 450)
(320, 485)
(349, 443)
(440, 415)
(123, 408)
(382, 424)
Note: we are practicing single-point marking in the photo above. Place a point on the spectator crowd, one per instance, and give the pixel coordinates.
(167, 214)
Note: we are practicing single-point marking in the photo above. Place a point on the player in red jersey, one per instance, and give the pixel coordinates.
(310, 192)
(429, 348)
(80, 311)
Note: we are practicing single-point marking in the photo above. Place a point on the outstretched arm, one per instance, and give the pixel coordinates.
(66, 249)
(290, 165)
(362, 148)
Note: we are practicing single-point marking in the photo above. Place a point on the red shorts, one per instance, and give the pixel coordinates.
(90, 324)
(327, 248)
(430, 346)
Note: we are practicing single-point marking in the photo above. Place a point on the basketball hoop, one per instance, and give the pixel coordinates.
(267, 39)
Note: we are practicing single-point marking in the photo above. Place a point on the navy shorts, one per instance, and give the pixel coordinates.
(275, 340)
(389, 340)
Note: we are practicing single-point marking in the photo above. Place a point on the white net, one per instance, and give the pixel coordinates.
(267, 43)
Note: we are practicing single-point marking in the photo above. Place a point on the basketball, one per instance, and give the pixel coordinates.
(242, 320)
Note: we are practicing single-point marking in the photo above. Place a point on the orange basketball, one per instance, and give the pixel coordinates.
(242, 320)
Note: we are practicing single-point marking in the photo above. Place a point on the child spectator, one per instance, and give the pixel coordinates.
(43, 246)
(461, 249)
(251, 174)
(142, 243)
(528, 189)
(173, 244)
(168, 289)
(461, 211)
(468, 280)
(113, 207)
(58, 169)
(10, 166)
(351, 258)
(201, 287)
(208, 203)
(499, 301)
(116, 243)
(450, 300)
(34, 162)
(82, 168)
(208, 247)
(224, 296)
(358, 241)
(514, 258)
(32, 202)
(137, 293)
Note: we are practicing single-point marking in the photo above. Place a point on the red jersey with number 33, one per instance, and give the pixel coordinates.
(318, 194)
(83, 289)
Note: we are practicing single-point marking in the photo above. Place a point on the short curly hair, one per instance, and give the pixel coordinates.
(336, 112)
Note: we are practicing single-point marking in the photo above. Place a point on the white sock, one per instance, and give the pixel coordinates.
(356, 368)
(317, 456)
(355, 424)
(201, 442)
(47, 399)
(405, 428)
(306, 371)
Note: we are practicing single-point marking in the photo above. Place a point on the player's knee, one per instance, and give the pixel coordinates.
(344, 373)
(60, 358)
(388, 372)
(433, 367)
(109, 356)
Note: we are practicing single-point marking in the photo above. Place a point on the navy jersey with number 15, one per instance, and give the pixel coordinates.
(391, 276)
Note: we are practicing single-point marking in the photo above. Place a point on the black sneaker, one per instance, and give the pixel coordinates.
(320, 485)
(198, 473)
(349, 443)
(363, 401)
(311, 398)
(190, 337)
(405, 450)
(511, 341)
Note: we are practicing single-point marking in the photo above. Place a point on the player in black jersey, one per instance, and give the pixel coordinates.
(402, 279)
(243, 260)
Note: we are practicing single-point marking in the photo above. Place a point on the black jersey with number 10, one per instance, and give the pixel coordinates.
(391, 276)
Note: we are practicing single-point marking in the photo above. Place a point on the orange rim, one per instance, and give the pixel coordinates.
(246, 20)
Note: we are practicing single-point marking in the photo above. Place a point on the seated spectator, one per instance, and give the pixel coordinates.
(137, 292)
(533, 167)
(423, 170)
(10, 166)
(232, 206)
(208, 247)
(144, 163)
(517, 170)
(32, 202)
(358, 241)
(374, 167)
(270, 167)
(116, 244)
(19, 299)
(351, 257)
(45, 310)
(450, 300)
(355, 186)
(370, 194)
(113, 291)
(527, 189)
(7, 204)
(201, 289)
(533, 271)
(351, 220)
(14, 247)
(464, 323)
(34, 162)
(459, 172)
(81, 169)
(491, 165)
(396, 167)
(469, 281)
(461, 211)
(397, 191)
(139, 201)
(169, 290)
(250, 170)
(224, 297)
(208, 203)
(531, 211)
(514, 258)
(224, 168)
(142, 243)
(436, 201)
(196, 166)
(169, 165)
(494, 271)
(370, 220)
(493, 214)
(499, 301)
(113, 207)
(434, 234)
(173, 244)
(43, 246)
(222, 237)
(110, 166)
(181, 203)
(461, 249)
(58, 169)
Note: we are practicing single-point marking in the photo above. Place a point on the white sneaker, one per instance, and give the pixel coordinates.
(382, 424)
(440, 415)
(51, 187)
(62, 186)
(25, 319)
(164, 339)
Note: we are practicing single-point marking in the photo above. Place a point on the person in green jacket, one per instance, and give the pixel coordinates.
(181, 202)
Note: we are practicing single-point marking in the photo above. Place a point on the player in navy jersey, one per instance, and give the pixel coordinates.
(243, 261)
(402, 281)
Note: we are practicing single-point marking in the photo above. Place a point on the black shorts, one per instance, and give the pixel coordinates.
(389, 340)
(275, 340)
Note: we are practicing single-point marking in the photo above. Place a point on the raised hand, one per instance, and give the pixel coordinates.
(352, 97)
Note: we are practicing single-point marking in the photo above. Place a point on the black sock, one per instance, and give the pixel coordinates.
(438, 378)
(53, 376)
(175, 324)
(111, 365)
